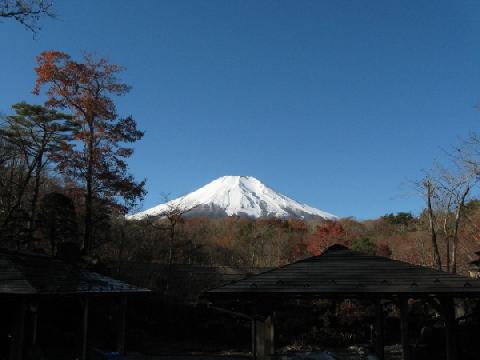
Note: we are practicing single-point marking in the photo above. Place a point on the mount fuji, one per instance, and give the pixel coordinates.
(243, 196)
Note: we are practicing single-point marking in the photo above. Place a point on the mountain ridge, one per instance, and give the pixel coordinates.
(243, 196)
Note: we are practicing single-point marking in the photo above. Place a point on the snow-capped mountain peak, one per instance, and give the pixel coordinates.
(236, 195)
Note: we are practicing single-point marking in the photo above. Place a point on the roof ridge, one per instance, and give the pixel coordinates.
(274, 269)
(328, 272)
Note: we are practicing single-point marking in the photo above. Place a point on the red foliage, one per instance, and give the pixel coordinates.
(384, 250)
(325, 235)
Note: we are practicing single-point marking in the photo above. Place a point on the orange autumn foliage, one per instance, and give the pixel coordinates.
(325, 235)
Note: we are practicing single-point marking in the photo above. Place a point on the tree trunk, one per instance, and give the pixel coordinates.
(436, 254)
(458, 216)
(447, 243)
(171, 252)
(52, 235)
(455, 241)
(172, 242)
(36, 191)
(87, 240)
(446, 234)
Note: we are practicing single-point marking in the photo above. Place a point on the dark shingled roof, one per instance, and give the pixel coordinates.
(341, 271)
(26, 273)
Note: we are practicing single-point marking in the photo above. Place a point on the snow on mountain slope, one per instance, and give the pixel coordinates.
(236, 195)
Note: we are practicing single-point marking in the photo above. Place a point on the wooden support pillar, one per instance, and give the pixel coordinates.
(379, 330)
(83, 350)
(122, 325)
(16, 349)
(459, 307)
(33, 307)
(404, 327)
(269, 337)
(34, 327)
(450, 328)
(259, 340)
(254, 339)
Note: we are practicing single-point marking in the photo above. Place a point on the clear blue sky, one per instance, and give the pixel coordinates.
(334, 103)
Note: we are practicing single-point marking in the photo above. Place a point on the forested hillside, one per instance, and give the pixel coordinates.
(272, 242)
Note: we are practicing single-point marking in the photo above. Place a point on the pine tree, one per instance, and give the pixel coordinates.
(36, 134)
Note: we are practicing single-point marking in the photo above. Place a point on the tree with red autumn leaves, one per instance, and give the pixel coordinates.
(325, 235)
(97, 156)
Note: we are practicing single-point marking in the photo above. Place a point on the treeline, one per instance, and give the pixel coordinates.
(238, 241)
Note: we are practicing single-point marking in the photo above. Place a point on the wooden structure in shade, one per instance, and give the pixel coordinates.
(345, 274)
(28, 277)
(475, 266)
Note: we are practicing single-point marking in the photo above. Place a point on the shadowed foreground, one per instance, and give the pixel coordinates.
(391, 353)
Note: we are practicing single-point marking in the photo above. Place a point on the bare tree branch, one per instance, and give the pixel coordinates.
(27, 12)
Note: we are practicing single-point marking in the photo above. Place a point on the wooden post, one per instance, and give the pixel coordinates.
(122, 325)
(379, 330)
(33, 307)
(404, 327)
(83, 353)
(34, 327)
(16, 349)
(459, 305)
(259, 340)
(450, 328)
(254, 339)
(269, 337)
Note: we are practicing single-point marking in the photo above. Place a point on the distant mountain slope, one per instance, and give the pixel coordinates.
(243, 196)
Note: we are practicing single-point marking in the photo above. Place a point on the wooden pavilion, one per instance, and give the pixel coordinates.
(340, 273)
(27, 279)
